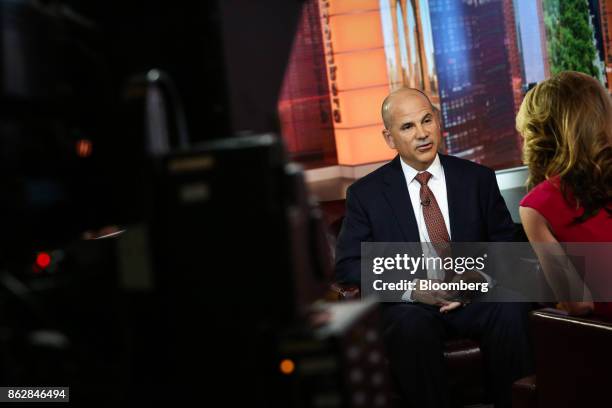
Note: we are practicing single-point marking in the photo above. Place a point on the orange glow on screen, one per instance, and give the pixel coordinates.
(360, 31)
(362, 145)
(356, 57)
(361, 107)
(362, 69)
(350, 6)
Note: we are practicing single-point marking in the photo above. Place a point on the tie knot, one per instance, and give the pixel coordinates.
(423, 177)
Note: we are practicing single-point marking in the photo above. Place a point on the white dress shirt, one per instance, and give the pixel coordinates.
(437, 185)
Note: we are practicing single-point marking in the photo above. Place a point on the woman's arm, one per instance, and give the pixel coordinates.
(558, 273)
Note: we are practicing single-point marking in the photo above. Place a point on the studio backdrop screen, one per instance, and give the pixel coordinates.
(475, 59)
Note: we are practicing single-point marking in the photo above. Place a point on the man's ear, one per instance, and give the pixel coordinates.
(388, 138)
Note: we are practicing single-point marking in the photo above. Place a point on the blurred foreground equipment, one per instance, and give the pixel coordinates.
(220, 254)
(341, 362)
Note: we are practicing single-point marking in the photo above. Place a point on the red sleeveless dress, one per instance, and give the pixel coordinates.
(547, 199)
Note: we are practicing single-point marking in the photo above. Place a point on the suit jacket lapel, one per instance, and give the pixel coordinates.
(454, 196)
(396, 193)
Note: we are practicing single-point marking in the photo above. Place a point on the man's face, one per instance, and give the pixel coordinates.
(414, 129)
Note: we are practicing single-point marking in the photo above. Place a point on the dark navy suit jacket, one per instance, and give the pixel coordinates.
(378, 209)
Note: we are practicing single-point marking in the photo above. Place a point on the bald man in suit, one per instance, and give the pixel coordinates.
(462, 204)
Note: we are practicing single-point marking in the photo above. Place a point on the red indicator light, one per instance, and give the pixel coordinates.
(43, 260)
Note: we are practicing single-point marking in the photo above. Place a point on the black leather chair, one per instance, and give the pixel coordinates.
(573, 357)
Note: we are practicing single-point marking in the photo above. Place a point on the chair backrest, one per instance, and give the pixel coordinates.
(332, 210)
(333, 213)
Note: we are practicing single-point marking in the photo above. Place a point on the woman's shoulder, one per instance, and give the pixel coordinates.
(543, 195)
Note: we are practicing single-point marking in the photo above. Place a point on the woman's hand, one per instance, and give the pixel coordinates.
(577, 308)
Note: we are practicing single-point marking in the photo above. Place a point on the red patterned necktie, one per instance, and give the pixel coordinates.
(434, 221)
(436, 228)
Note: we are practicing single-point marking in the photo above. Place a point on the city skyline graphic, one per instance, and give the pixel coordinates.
(475, 59)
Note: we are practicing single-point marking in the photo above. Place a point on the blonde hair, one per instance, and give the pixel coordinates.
(566, 123)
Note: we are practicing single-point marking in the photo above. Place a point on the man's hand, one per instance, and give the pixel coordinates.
(469, 277)
(450, 306)
(434, 297)
(441, 298)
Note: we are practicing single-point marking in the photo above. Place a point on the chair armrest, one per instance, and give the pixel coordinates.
(573, 358)
(524, 393)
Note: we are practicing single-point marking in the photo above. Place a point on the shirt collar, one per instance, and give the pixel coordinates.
(435, 168)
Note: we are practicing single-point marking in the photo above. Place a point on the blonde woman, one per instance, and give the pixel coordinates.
(566, 123)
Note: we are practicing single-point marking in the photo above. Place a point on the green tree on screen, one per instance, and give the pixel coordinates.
(570, 36)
